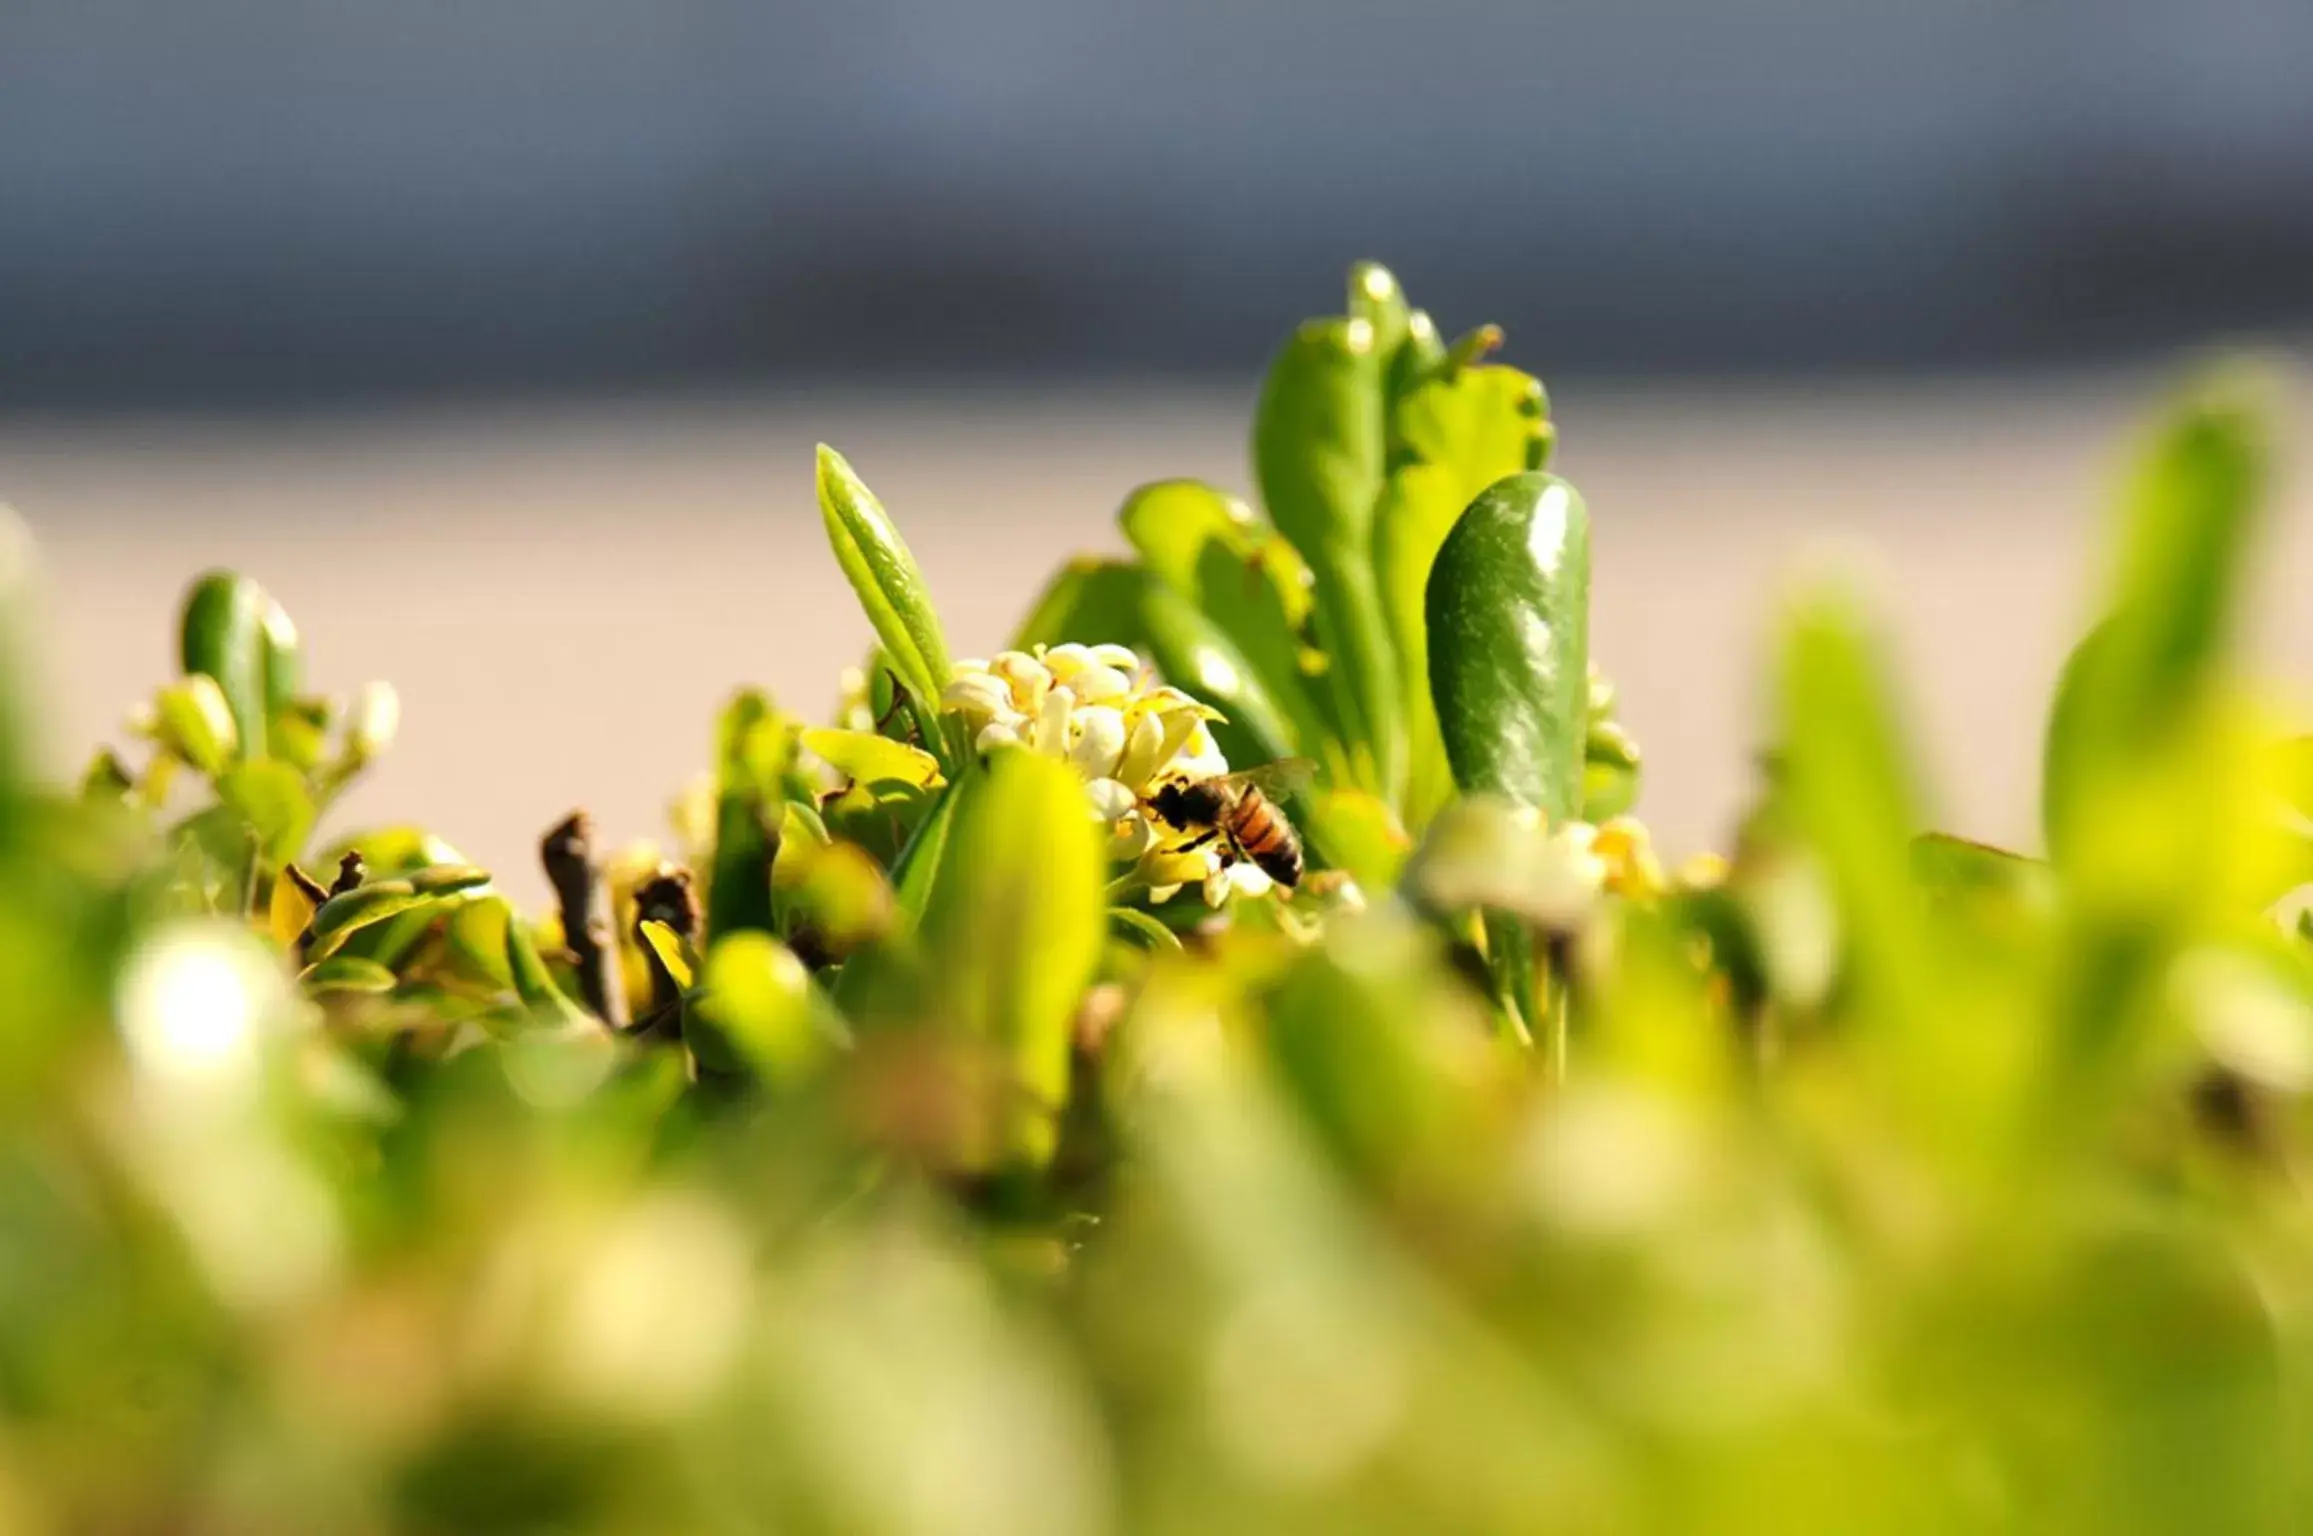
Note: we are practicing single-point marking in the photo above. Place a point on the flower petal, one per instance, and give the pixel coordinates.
(1144, 750)
(1028, 678)
(1100, 685)
(1110, 800)
(1052, 722)
(1250, 879)
(977, 696)
(1065, 661)
(1099, 733)
(1122, 657)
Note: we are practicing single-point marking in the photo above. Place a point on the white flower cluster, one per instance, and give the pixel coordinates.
(1098, 707)
(1484, 853)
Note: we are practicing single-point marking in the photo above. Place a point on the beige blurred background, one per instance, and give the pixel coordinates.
(564, 594)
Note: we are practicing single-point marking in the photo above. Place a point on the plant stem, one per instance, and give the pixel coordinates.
(568, 854)
(668, 897)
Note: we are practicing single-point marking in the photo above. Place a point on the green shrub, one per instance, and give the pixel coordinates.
(970, 1136)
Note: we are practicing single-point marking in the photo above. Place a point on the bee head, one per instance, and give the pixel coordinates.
(1187, 802)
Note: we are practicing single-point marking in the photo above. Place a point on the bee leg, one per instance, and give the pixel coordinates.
(1199, 841)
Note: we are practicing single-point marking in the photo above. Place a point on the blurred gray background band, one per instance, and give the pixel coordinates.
(220, 201)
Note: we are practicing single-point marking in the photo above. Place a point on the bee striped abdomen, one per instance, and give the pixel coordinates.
(1265, 837)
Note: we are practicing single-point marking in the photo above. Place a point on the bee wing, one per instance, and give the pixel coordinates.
(1286, 776)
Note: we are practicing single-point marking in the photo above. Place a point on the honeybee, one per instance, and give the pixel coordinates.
(1236, 810)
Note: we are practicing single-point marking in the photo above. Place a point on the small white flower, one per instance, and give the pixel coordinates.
(1098, 684)
(1237, 879)
(1110, 800)
(1028, 678)
(1052, 722)
(1099, 744)
(1121, 657)
(977, 696)
(1065, 661)
(1567, 878)
(1098, 707)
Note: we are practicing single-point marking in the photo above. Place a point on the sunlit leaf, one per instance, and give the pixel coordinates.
(876, 561)
(1014, 930)
(1318, 449)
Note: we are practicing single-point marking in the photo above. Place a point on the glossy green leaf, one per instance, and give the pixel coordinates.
(346, 973)
(1237, 572)
(447, 879)
(1508, 609)
(1014, 932)
(223, 636)
(1457, 435)
(1318, 450)
(876, 561)
(361, 907)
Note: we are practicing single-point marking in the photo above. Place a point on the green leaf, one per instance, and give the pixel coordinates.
(1014, 932)
(359, 908)
(196, 723)
(447, 879)
(284, 662)
(477, 938)
(271, 797)
(2139, 674)
(1457, 435)
(1318, 445)
(755, 746)
(1237, 572)
(880, 569)
(1507, 610)
(757, 1013)
(1145, 930)
(223, 636)
(346, 973)
(1847, 789)
(534, 983)
(866, 758)
(1359, 833)
(918, 867)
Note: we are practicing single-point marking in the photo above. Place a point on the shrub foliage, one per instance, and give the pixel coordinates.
(970, 1120)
